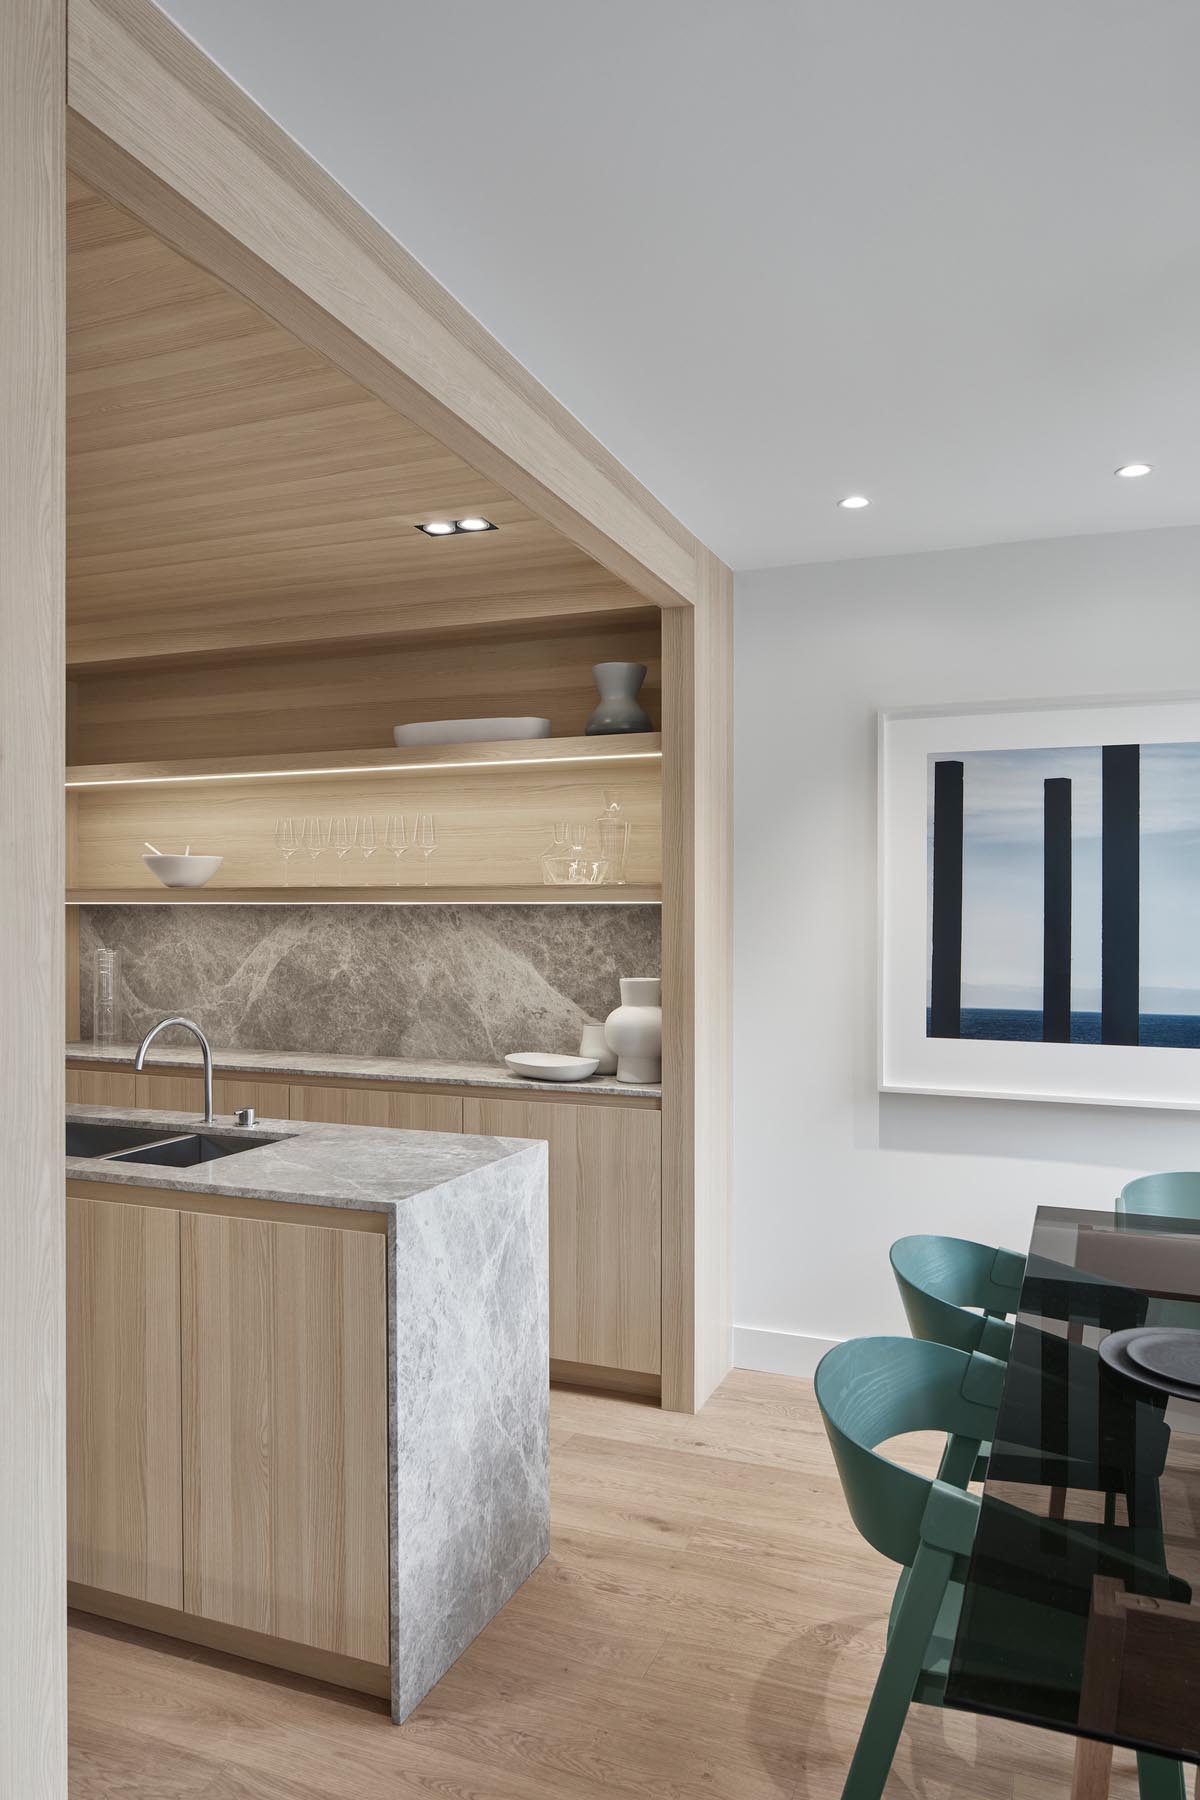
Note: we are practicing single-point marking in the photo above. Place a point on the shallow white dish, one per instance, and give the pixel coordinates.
(183, 871)
(543, 1067)
(469, 731)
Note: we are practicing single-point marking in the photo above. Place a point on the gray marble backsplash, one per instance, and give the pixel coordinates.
(461, 983)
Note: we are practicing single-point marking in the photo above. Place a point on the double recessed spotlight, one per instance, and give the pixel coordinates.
(449, 527)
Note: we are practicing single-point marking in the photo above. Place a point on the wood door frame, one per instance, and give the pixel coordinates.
(33, 1524)
(155, 126)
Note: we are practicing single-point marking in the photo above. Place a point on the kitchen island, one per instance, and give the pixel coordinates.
(308, 1391)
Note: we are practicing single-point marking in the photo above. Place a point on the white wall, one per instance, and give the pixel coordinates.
(827, 1171)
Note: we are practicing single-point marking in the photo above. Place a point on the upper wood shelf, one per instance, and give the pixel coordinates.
(530, 752)
(568, 894)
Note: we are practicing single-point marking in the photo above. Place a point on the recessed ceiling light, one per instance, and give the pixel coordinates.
(438, 528)
(1132, 470)
(852, 502)
(476, 525)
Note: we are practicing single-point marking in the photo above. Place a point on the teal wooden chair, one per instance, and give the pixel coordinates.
(873, 1389)
(958, 1292)
(1175, 1195)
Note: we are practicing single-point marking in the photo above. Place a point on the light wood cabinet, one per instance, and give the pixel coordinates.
(285, 1431)
(101, 1087)
(124, 1490)
(387, 1106)
(605, 1224)
(184, 1092)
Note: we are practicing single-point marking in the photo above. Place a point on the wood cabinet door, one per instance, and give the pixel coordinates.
(184, 1092)
(101, 1087)
(605, 1224)
(377, 1106)
(285, 1431)
(171, 1093)
(124, 1490)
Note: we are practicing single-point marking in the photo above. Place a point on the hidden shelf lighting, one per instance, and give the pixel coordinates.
(390, 768)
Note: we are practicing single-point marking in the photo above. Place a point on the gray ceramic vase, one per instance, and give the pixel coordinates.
(619, 684)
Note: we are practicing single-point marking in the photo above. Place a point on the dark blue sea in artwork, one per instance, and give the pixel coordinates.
(1170, 1031)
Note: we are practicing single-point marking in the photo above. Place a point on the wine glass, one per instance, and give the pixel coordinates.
(368, 843)
(343, 836)
(396, 839)
(314, 837)
(426, 839)
(287, 842)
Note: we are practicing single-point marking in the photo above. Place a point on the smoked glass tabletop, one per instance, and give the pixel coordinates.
(1081, 1602)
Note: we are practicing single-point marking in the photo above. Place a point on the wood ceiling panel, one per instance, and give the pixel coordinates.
(227, 489)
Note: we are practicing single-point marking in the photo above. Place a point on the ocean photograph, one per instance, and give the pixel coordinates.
(1063, 890)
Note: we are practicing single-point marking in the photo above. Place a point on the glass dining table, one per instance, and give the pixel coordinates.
(1081, 1603)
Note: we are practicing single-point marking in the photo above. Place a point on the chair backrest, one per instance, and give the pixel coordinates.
(941, 1278)
(872, 1389)
(1175, 1195)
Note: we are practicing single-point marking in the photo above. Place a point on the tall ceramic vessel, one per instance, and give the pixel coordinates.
(634, 1031)
(619, 684)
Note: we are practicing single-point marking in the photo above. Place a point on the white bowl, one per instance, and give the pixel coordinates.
(541, 1067)
(469, 731)
(183, 871)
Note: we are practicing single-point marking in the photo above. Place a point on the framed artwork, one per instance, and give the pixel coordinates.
(1040, 903)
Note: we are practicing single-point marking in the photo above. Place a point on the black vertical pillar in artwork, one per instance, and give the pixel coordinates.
(945, 998)
(1119, 878)
(1056, 913)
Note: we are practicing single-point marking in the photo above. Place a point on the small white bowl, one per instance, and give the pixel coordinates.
(541, 1067)
(469, 731)
(183, 871)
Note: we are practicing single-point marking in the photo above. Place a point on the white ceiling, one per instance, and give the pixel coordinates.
(942, 252)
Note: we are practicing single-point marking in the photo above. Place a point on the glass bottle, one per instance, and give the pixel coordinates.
(107, 1005)
(614, 832)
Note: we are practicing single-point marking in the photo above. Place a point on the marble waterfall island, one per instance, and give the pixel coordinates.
(457, 1228)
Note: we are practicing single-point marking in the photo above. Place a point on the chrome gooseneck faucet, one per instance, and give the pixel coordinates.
(205, 1051)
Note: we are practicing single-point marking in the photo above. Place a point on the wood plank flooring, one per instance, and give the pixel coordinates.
(707, 1627)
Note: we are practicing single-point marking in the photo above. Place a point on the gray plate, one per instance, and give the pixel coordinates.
(1170, 1351)
(1115, 1351)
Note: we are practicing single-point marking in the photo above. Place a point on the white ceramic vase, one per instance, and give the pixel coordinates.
(634, 1031)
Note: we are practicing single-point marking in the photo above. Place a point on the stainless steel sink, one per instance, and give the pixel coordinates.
(87, 1137)
(103, 1142)
(189, 1151)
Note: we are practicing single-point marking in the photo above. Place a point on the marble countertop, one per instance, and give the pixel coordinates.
(363, 1167)
(309, 1065)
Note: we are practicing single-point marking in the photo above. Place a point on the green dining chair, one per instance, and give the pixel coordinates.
(873, 1389)
(958, 1292)
(1175, 1195)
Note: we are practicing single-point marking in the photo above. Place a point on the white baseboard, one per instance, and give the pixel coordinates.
(778, 1352)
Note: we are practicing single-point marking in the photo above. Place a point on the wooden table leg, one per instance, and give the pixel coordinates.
(1093, 1768)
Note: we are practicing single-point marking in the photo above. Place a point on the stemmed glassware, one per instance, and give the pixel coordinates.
(367, 843)
(344, 836)
(426, 840)
(287, 842)
(314, 836)
(396, 839)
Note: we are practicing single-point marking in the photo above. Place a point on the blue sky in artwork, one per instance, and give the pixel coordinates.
(1002, 875)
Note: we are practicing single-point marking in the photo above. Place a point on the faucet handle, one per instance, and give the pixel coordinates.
(245, 1115)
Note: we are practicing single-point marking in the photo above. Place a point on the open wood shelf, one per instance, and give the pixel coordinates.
(566, 895)
(527, 752)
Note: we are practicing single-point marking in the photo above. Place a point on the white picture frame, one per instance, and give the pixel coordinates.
(910, 1061)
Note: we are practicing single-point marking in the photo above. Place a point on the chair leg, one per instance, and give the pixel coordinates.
(898, 1674)
(1159, 1778)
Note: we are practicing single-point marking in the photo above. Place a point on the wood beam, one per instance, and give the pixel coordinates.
(156, 126)
(33, 1674)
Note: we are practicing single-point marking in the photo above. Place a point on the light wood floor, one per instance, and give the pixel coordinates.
(707, 1627)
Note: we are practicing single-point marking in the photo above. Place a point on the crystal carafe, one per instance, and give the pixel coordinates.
(613, 829)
